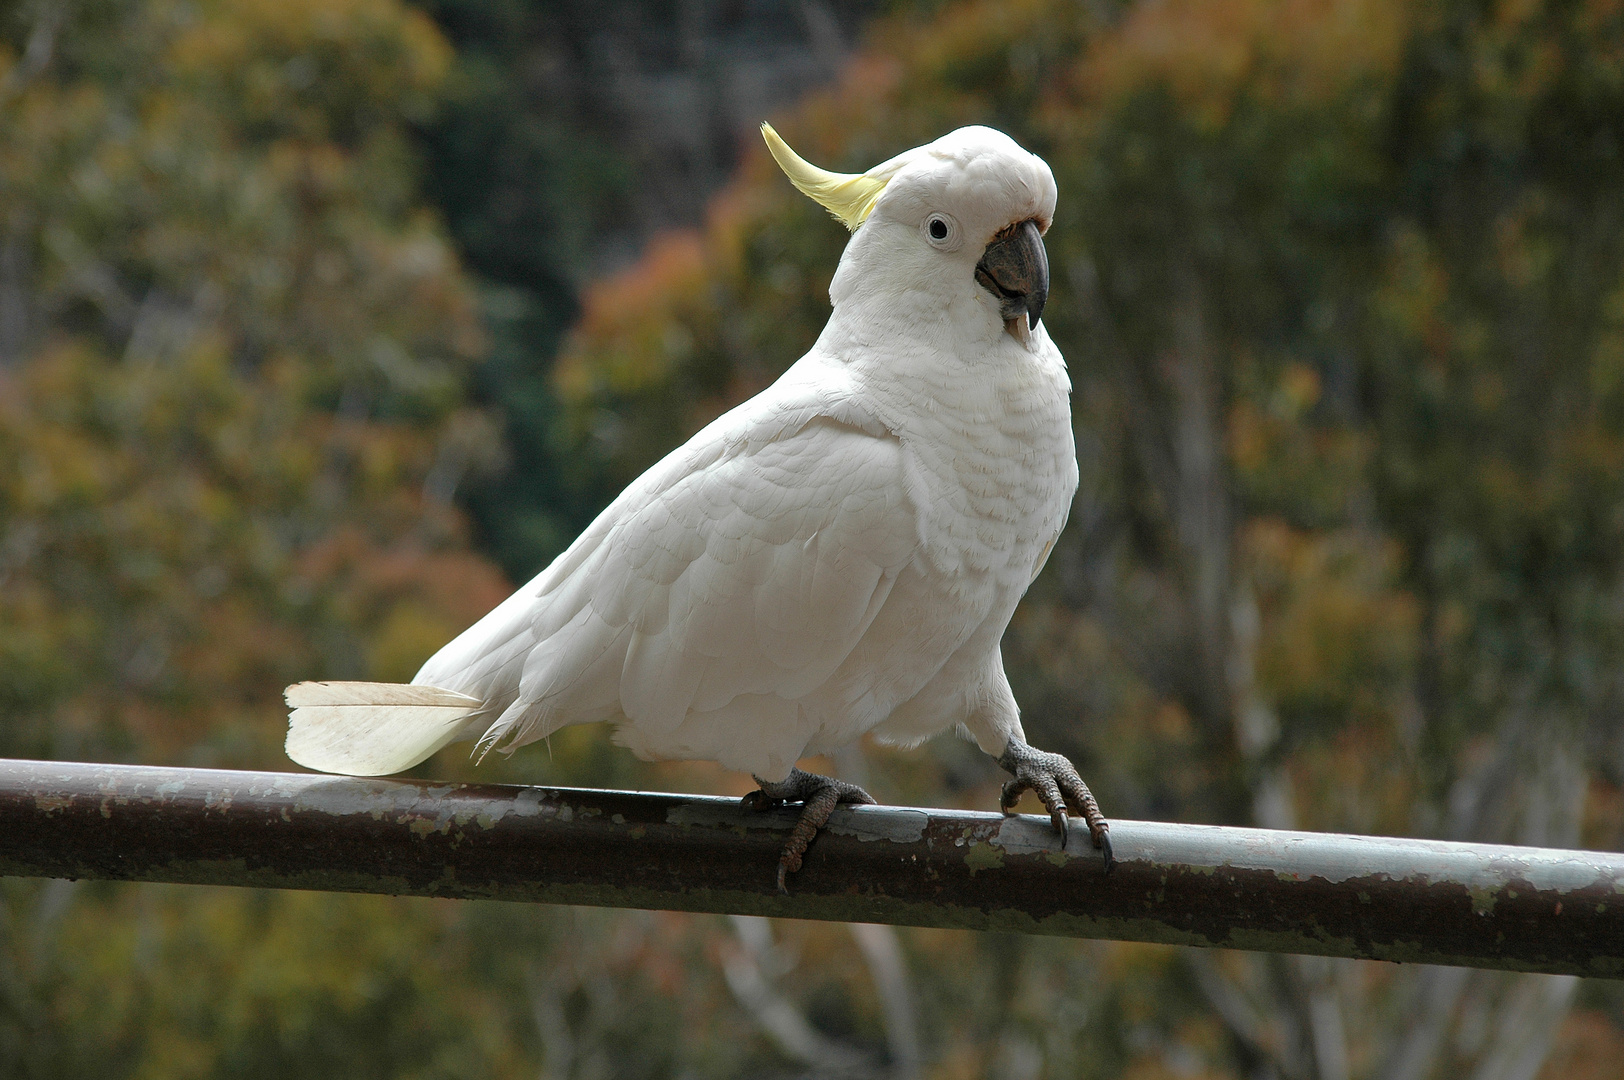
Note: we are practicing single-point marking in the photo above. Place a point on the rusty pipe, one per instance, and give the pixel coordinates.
(1413, 901)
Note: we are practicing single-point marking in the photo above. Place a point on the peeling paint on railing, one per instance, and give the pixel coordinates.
(1415, 901)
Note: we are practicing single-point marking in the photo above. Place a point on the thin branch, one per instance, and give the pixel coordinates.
(778, 1017)
(888, 968)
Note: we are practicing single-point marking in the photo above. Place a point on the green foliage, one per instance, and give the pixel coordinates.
(1341, 284)
(244, 346)
(531, 179)
(234, 342)
(1338, 285)
(1337, 251)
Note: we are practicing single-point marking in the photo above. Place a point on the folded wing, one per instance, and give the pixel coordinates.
(742, 569)
(754, 575)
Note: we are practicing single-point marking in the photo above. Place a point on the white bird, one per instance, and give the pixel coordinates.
(839, 555)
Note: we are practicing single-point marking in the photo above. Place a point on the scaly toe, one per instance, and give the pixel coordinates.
(1060, 788)
(818, 795)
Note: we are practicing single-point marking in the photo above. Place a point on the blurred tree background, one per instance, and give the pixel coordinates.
(322, 323)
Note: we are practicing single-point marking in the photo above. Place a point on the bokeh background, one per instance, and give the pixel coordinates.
(324, 322)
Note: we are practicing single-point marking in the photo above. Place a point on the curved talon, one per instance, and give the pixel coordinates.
(819, 795)
(1055, 782)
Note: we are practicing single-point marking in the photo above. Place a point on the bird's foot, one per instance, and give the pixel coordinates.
(1055, 781)
(818, 796)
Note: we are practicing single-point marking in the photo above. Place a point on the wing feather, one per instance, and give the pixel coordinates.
(755, 574)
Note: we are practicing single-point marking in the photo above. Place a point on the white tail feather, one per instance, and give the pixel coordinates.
(372, 729)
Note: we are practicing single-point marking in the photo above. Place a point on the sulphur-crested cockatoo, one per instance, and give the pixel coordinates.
(839, 555)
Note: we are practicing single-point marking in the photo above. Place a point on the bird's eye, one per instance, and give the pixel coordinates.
(942, 232)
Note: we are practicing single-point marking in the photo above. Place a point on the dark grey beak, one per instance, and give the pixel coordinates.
(1015, 269)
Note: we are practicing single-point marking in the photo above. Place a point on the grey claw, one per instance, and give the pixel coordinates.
(818, 796)
(1060, 789)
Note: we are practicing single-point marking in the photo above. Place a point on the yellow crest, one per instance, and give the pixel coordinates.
(848, 196)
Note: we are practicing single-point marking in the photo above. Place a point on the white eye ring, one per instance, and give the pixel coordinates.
(941, 231)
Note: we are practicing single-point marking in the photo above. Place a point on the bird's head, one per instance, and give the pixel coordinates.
(960, 218)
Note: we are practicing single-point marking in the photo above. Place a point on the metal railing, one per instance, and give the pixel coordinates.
(1414, 901)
